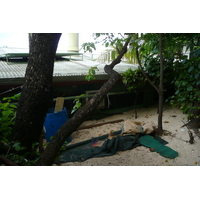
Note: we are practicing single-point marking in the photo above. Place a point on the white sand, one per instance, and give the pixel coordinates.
(189, 154)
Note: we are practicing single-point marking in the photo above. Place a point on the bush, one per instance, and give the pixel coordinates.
(7, 116)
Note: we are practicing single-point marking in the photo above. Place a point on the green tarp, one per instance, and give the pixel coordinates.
(86, 149)
(163, 150)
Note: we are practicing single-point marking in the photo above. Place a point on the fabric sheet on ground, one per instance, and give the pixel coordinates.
(89, 149)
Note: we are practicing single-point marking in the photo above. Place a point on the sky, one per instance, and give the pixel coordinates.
(20, 40)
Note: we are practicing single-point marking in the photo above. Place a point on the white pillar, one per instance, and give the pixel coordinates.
(73, 42)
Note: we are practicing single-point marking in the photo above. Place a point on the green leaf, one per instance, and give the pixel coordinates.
(184, 83)
(190, 69)
(91, 72)
(177, 92)
(196, 76)
(18, 147)
(177, 83)
(182, 99)
(198, 82)
(15, 97)
(13, 106)
(6, 112)
(107, 44)
(5, 98)
(81, 95)
(34, 144)
(184, 61)
(4, 106)
(191, 97)
(189, 88)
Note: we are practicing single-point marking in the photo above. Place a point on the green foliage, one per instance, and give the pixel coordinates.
(152, 67)
(77, 103)
(17, 146)
(19, 157)
(187, 84)
(88, 47)
(131, 56)
(110, 39)
(148, 44)
(115, 40)
(133, 79)
(7, 116)
(179, 71)
(91, 72)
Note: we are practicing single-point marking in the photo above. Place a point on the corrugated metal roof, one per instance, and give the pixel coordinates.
(16, 70)
(61, 67)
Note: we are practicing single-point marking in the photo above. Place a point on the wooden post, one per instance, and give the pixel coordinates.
(59, 104)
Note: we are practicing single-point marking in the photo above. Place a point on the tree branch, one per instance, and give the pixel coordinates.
(119, 57)
(142, 69)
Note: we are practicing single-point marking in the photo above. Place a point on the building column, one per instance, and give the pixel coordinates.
(73, 42)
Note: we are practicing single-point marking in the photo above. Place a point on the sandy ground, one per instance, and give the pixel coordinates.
(189, 154)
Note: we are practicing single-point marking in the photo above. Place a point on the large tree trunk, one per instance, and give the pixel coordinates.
(52, 149)
(33, 103)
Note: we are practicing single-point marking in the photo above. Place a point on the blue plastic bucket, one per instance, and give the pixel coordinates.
(54, 121)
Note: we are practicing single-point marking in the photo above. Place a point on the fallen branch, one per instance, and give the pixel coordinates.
(100, 124)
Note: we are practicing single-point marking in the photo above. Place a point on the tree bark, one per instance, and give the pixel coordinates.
(160, 106)
(30, 40)
(52, 149)
(35, 95)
